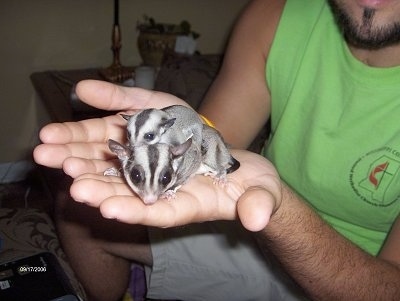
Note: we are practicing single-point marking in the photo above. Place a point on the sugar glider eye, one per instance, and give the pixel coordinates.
(149, 136)
(136, 176)
(165, 178)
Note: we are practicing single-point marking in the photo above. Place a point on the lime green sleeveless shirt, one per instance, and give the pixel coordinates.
(335, 123)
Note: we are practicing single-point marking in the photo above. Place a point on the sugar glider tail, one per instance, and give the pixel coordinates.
(235, 164)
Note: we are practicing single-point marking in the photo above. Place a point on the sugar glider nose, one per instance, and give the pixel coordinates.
(150, 199)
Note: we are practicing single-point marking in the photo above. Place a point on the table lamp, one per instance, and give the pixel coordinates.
(116, 72)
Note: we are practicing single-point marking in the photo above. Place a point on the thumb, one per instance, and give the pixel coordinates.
(108, 96)
(104, 95)
(255, 207)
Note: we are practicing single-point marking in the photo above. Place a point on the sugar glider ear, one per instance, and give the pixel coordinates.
(168, 123)
(179, 150)
(122, 151)
(126, 116)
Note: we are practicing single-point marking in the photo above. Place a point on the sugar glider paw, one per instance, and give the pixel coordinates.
(169, 195)
(218, 179)
(112, 171)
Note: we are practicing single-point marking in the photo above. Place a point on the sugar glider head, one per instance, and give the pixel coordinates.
(147, 126)
(150, 169)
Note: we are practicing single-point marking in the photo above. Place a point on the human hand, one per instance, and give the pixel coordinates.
(80, 148)
(252, 194)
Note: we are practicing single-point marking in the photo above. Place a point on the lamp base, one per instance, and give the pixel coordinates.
(117, 73)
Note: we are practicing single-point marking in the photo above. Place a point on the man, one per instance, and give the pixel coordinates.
(327, 74)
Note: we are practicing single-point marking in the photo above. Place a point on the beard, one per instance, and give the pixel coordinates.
(364, 34)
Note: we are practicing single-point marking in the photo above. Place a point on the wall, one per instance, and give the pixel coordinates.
(60, 34)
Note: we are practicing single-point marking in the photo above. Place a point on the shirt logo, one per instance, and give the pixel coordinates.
(375, 177)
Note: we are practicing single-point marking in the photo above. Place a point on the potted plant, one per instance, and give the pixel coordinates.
(157, 38)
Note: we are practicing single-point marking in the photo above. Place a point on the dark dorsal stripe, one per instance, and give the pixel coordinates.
(154, 156)
(141, 119)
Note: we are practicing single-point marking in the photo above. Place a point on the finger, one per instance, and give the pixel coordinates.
(50, 156)
(103, 95)
(75, 167)
(53, 155)
(92, 189)
(107, 180)
(255, 207)
(164, 213)
(107, 96)
(91, 130)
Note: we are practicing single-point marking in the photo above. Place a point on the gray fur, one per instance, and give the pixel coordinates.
(187, 121)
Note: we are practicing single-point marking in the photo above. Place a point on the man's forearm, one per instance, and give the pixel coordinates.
(325, 264)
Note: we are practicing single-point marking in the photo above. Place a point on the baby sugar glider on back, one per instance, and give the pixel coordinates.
(174, 125)
(171, 125)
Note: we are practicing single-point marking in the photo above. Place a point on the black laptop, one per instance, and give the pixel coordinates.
(38, 278)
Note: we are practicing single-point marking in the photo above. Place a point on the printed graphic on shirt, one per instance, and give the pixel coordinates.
(375, 177)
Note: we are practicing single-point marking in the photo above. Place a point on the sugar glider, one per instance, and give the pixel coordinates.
(156, 170)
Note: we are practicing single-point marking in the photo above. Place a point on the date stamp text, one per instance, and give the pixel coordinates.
(29, 269)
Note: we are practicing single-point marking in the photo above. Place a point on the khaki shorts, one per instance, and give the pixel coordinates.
(212, 261)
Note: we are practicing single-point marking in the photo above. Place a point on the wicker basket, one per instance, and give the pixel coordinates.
(152, 47)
